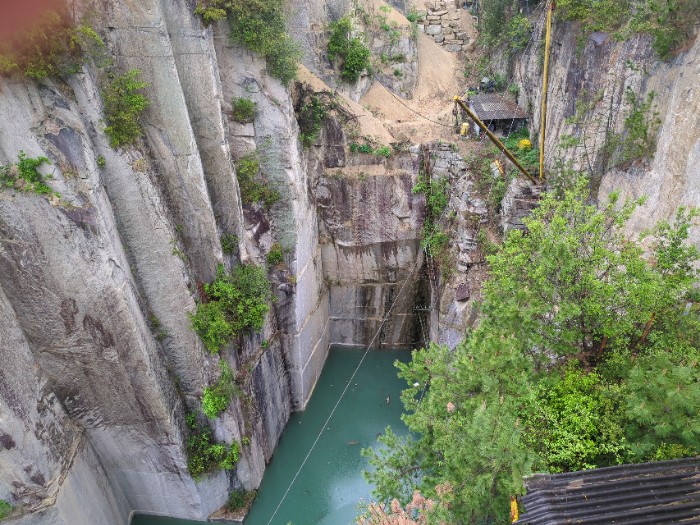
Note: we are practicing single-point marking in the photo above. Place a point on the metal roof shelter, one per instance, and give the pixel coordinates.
(492, 106)
(645, 493)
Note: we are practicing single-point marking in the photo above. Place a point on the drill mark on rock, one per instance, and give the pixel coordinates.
(99, 334)
(69, 310)
(7, 442)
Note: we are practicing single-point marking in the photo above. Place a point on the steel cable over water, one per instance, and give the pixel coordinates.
(342, 395)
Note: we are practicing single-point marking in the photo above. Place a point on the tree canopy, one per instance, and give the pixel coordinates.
(586, 355)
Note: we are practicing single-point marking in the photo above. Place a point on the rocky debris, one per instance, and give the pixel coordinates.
(520, 199)
(443, 22)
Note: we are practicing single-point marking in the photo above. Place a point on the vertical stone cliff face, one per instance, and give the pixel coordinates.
(96, 286)
(588, 101)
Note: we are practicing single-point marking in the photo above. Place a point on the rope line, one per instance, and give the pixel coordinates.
(342, 395)
(414, 111)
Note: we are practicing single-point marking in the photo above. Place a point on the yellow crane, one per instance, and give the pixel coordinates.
(545, 76)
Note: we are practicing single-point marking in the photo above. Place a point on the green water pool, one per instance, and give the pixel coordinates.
(330, 486)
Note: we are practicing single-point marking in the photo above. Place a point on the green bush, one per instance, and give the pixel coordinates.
(352, 52)
(518, 33)
(229, 243)
(595, 15)
(260, 25)
(217, 397)
(123, 106)
(311, 112)
(25, 176)
(435, 242)
(236, 303)
(211, 11)
(240, 499)
(212, 326)
(356, 61)
(529, 158)
(414, 16)
(641, 126)
(243, 110)
(203, 453)
(339, 40)
(381, 151)
(5, 509)
(283, 59)
(275, 256)
(573, 424)
(252, 190)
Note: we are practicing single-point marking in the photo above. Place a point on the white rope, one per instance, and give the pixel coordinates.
(386, 316)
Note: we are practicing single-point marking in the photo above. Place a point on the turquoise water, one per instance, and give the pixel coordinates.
(157, 520)
(330, 485)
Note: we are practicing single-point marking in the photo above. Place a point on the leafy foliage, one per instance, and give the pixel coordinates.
(275, 256)
(502, 25)
(351, 51)
(243, 110)
(212, 326)
(211, 11)
(54, 46)
(572, 423)
(252, 190)
(595, 15)
(123, 105)
(216, 398)
(529, 157)
(5, 509)
(368, 149)
(585, 356)
(669, 22)
(235, 303)
(435, 241)
(25, 176)
(203, 453)
(229, 243)
(259, 25)
(311, 112)
(641, 126)
(240, 499)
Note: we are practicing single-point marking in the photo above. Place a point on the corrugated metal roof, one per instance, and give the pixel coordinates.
(491, 106)
(651, 493)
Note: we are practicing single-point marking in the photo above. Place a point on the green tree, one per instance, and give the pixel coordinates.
(349, 50)
(585, 356)
(123, 105)
(236, 303)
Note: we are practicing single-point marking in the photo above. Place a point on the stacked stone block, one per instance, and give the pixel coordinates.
(443, 22)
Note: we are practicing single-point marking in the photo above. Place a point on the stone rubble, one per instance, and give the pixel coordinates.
(443, 22)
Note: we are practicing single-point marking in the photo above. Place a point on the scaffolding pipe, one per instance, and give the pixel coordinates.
(545, 75)
(494, 139)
